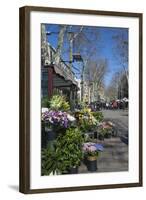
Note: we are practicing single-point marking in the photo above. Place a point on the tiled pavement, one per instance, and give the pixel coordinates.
(114, 158)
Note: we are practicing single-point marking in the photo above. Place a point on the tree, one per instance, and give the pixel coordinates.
(118, 86)
(46, 56)
(111, 92)
(82, 40)
(94, 76)
(121, 48)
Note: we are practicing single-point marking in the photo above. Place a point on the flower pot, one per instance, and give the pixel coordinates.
(50, 134)
(73, 170)
(43, 137)
(114, 132)
(95, 135)
(108, 135)
(92, 163)
(100, 137)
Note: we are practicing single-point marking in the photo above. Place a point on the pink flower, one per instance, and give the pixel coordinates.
(92, 149)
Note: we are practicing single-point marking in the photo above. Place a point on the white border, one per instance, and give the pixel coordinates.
(132, 176)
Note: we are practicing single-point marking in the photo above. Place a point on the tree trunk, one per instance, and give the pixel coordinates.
(57, 55)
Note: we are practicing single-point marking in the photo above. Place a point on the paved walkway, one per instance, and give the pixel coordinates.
(114, 158)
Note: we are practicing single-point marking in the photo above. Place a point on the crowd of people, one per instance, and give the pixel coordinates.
(116, 104)
(112, 105)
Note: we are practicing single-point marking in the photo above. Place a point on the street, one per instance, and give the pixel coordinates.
(119, 117)
(114, 158)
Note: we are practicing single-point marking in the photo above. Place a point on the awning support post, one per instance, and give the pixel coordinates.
(50, 82)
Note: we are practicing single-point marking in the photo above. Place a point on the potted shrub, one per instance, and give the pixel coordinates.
(49, 165)
(98, 116)
(91, 151)
(69, 150)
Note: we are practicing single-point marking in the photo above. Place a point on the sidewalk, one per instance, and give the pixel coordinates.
(114, 158)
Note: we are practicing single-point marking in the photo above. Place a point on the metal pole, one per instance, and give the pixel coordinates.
(82, 82)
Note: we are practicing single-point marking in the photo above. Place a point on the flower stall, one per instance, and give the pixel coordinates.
(66, 146)
(106, 129)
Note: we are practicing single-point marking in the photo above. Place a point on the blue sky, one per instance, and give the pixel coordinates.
(106, 44)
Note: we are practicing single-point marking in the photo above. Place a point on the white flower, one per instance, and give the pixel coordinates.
(70, 118)
(45, 110)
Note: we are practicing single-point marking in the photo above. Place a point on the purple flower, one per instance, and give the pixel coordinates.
(99, 147)
(92, 147)
(57, 118)
(89, 146)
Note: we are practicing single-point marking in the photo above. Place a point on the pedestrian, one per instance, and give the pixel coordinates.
(114, 105)
(107, 105)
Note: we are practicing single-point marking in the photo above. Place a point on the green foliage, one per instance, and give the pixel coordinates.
(86, 120)
(49, 164)
(66, 153)
(98, 116)
(45, 102)
(85, 126)
(69, 149)
(94, 153)
(105, 129)
(59, 102)
(82, 104)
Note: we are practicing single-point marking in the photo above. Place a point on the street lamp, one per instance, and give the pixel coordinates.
(78, 58)
(51, 32)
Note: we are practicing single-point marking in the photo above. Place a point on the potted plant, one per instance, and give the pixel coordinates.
(49, 165)
(58, 102)
(45, 102)
(105, 130)
(56, 122)
(98, 116)
(86, 121)
(101, 134)
(47, 134)
(55, 117)
(91, 151)
(69, 150)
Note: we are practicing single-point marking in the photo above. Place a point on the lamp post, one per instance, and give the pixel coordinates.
(77, 57)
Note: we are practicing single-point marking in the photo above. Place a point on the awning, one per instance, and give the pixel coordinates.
(66, 75)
